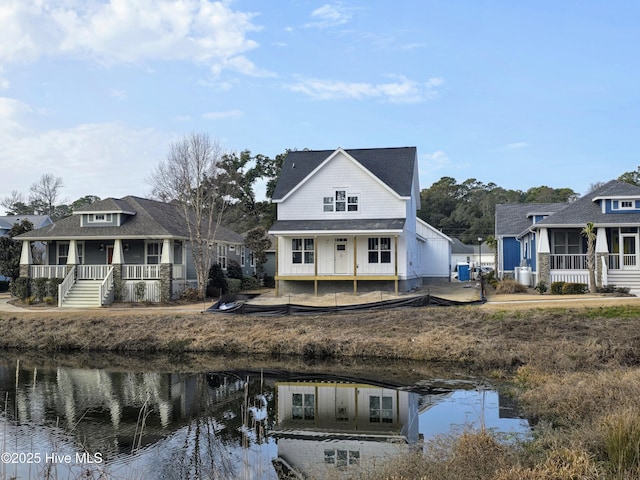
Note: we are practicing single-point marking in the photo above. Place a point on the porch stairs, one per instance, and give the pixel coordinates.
(83, 294)
(629, 279)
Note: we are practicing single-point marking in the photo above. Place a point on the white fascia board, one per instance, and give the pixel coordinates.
(327, 160)
(104, 237)
(615, 197)
(331, 233)
(102, 212)
(434, 229)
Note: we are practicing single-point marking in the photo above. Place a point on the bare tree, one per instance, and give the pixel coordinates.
(45, 193)
(188, 177)
(14, 204)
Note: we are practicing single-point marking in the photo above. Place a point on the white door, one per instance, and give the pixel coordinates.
(340, 260)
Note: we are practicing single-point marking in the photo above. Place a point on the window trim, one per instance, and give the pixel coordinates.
(379, 255)
(306, 255)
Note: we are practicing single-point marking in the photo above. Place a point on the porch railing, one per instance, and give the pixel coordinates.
(628, 260)
(65, 286)
(140, 272)
(48, 271)
(569, 262)
(93, 272)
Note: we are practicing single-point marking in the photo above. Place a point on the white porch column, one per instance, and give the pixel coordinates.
(167, 252)
(118, 254)
(25, 253)
(72, 259)
(543, 241)
(601, 241)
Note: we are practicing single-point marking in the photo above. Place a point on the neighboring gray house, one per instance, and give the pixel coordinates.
(551, 244)
(133, 239)
(38, 221)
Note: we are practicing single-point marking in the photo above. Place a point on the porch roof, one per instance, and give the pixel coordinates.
(587, 209)
(389, 225)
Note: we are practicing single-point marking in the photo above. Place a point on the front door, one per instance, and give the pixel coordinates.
(340, 261)
(629, 251)
(109, 255)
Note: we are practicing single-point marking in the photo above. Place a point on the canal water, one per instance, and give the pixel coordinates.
(197, 416)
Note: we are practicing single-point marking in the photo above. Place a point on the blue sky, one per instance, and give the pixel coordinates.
(518, 93)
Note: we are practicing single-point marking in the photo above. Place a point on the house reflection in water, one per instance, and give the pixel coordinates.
(328, 425)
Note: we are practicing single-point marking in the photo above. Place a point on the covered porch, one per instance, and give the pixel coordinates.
(110, 264)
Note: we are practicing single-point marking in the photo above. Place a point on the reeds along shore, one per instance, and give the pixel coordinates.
(575, 370)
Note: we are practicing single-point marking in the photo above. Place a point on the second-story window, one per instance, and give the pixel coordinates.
(341, 202)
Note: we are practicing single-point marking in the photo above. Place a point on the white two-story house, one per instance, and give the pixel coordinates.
(347, 219)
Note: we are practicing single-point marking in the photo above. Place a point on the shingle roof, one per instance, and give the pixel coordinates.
(152, 219)
(9, 221)
(585, 210)
(393, 166)
(457, 247)
(512, 219)
(337, 225)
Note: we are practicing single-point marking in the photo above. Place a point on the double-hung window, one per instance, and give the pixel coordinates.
(302, 250)
(379, 249)
(381, 409)
(222, 255)
(154, 250)
(342, 201)
(303, 406)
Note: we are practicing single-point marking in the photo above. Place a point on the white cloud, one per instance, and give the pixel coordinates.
(403, 90)
(125, 31)
(330, 15)
(436, 160)
(104, 159)
(119, 94)
(222, 115)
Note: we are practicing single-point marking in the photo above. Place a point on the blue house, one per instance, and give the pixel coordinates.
(551, 242)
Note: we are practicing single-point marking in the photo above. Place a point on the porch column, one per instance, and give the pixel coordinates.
(544, 257)
(72, 259)
(355, 265)
(117, 260)
(395, 242)
(602, 253)
(25, 259)
(276, 278)
(166, 270)
(315, 265)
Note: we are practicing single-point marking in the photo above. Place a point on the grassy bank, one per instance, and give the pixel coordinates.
(575, 370)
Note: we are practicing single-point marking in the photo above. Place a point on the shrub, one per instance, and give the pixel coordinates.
(190, 294)
(20, 287)
(556, 288)
(53, 287)
(235, 285)
(40, 287)
(4, 286)
(575, 288)
(541, 288)
(510, 286)
(268, 281)
(234, 270)
(217, 281)
(50, 300)
(140, 289)
(249, 283)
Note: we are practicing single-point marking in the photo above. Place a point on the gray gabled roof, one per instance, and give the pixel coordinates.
(459, 248)
(8, 221)
(150, 219)
(392, 166)
(514, 218)
(585, 209)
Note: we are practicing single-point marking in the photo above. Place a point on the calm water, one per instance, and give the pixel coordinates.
(207, 417)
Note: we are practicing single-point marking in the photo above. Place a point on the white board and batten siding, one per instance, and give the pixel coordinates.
(434, 249)
(374, 199)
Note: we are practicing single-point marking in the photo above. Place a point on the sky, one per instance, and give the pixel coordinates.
(516, 93)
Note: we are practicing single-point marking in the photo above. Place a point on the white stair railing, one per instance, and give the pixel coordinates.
(106, 285)
(65, 286)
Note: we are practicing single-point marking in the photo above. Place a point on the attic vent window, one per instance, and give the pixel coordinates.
(100, 218)
(623, 205)
(626, 204)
